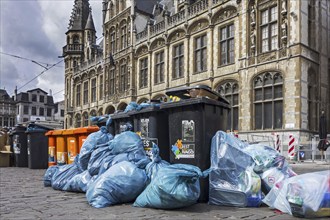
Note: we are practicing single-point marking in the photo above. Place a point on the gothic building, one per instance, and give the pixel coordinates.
(270, 58)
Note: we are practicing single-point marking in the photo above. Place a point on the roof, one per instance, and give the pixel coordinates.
(79, 15)
(22, 97)
(4, 96)
(90, 22)
(37, 89)
(146, 6)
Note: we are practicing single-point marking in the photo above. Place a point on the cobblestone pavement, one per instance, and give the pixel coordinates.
(23, 196)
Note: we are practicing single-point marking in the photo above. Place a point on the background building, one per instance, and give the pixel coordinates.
(7, 110)
(270, 58)
(34, 105)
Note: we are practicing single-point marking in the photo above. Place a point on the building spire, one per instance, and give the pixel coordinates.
(79, 15)
(90, 22)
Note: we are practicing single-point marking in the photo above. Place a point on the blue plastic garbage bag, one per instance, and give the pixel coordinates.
(101, 119)
(121, 183)
(49, 174)
(101, 153)
(174, 186)
(156, 163)
(125, 142)
(78, 183)
(131, 106)
(64, 175)
(100, 137)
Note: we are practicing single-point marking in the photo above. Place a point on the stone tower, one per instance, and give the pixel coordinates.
(80, 39)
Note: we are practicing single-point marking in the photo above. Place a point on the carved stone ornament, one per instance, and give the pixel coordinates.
(199, 26)
(283, 8)
(225, 14)
(253, 16)
(157, 44)
(141, 51)
(178, 35)
(266, 57)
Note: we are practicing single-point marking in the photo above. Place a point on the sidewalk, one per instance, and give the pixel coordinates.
(23, 196)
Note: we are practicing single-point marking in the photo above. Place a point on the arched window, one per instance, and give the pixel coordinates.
(313, 100)
(85, 119)
(112, 80)
(76, 39)
(123, 37)
(78, 121)
(123, 77)
(268, 101)
(112, 40)
(230, 91)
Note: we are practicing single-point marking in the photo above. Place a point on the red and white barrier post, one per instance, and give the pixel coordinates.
(277, 143)
(291, 147)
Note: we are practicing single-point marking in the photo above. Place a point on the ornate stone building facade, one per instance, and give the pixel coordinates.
(270, 58)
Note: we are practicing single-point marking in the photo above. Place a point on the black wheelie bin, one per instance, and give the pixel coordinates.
(192, 122)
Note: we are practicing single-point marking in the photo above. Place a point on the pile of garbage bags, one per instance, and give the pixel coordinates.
(247, 175)
(306, 195)
(113, 170)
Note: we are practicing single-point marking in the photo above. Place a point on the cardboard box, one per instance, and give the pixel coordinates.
(5, 156)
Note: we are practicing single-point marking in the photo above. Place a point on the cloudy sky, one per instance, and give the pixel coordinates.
(33, 33)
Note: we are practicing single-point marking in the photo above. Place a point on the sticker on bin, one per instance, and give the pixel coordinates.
(183, 150)
(188, 130)
(17, 148)
(51, 153)
(144, 126)
(62, 158)
(147, 144)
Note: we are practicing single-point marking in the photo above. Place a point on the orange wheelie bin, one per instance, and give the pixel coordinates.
(71, 143)
(51, 148)
(82, 133)
(61, 148)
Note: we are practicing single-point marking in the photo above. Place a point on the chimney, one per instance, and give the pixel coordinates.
(50, 93)
(15, 91)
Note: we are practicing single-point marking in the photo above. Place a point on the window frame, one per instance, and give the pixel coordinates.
(200, 53)
(159, 71)
(42, 111)
(93, 90)
(228, 40)
(230, 96)
(143, 73)
(123, 36)
(85, 92)
(33, 110)
(101, 87)
(112, 80)
(78, 95)
(178, 58)
(267, 26)
(123, 77)
(264, 101)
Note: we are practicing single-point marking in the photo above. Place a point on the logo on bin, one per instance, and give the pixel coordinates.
(182, 150)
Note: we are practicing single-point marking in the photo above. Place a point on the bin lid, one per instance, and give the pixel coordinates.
(194, 101)
(68, 131)
(151, 108)
(18, 129)
(58, 132)
(86, 130)
(33, 127)
(188, 92)
(49, 133)
(119, 115)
